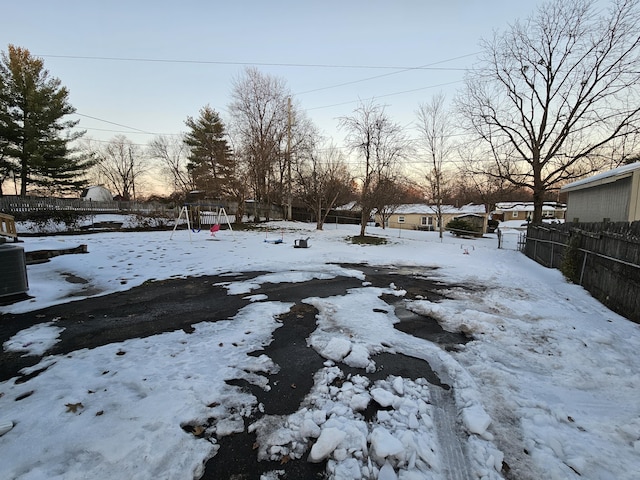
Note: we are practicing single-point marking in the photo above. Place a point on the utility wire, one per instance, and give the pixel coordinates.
(261, 64)
(402, 70)
(429, 66)
(114, 123)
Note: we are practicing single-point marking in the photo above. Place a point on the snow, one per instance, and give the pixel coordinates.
(34, 340)
(602, 177)
(548, 385)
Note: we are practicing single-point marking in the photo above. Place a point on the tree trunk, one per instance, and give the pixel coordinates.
(363, 223)
(538, 201)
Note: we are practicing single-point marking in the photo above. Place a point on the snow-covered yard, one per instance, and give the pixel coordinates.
(547, 389)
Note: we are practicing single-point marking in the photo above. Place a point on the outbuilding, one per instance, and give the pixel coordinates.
(612, 196)
(96, 193)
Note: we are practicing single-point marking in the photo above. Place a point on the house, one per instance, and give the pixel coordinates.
(612, 196)
(523, 211)
(418, 216)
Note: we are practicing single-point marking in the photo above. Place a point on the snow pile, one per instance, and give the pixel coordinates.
(35, 340)
(398, 441)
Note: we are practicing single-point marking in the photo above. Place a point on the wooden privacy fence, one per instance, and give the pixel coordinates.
(603, 258)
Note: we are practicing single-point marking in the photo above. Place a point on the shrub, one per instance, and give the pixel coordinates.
(570, 266)
(462, 227)
(367, 240)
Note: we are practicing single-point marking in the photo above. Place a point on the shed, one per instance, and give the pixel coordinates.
(611, 196)
(96, 193)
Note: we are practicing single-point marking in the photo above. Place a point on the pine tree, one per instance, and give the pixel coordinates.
(34, 138)
(210, 158)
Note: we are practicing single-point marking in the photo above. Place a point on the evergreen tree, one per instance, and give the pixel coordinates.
(34, 138)
(210, 161)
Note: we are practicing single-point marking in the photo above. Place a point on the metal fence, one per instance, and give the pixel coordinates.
(603, 258)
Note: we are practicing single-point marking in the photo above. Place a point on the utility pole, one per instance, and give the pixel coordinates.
(289, 199)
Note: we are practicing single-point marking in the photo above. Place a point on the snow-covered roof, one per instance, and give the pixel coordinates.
(348, 206)
(527, 206)
(423, 208)
(604, 177)
(97, 193)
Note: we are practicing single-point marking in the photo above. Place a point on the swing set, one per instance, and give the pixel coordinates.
(199, 215)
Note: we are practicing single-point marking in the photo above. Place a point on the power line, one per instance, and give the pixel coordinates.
(261, 64)
(114, 123)
(385, 95)
(429, 66)
(402, 70)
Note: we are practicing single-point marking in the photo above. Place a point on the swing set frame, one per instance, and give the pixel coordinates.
(190, 211)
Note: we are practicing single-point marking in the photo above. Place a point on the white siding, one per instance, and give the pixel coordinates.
(608, 201)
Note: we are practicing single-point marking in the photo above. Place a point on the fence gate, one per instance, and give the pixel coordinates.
(522, 241)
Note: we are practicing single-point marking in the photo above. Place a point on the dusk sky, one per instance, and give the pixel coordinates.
(147, 65)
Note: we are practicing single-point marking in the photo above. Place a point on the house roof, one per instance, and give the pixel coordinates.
(423, 209)
(527, 206)
(97, 193)
(349, 206)
(603, 178)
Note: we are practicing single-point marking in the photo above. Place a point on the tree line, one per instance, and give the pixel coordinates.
(552, 98)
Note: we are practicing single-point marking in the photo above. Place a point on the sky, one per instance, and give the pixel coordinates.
(548, 384)
(176, 57)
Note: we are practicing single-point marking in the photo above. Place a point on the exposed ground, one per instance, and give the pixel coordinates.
(169, 305)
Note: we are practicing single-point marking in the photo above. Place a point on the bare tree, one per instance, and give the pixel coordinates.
(172, 155)
(388, 195)
(379, 144)
(552, 91)
(435, 129)
(323, 180)
(260, 124)
(120, 164)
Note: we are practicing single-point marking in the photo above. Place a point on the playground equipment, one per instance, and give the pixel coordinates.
(199, 215)
(276, 240)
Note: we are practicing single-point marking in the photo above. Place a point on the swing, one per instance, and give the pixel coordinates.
(195, 210)
(277, 240)
(189, 212)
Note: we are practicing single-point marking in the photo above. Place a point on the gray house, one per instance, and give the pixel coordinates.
(612, 196)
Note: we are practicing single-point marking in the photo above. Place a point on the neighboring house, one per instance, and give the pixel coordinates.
(506, 211)
(418, 216)
(612, 196)
(96, 193)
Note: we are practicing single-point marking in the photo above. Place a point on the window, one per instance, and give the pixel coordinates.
(400, 218)
(514, 214)
(423, 221)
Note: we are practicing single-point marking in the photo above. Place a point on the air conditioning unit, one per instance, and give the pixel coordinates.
(13, 271)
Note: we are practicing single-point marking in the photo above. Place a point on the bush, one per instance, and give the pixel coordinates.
(570, 266)
(367, 240)
(462, 227)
